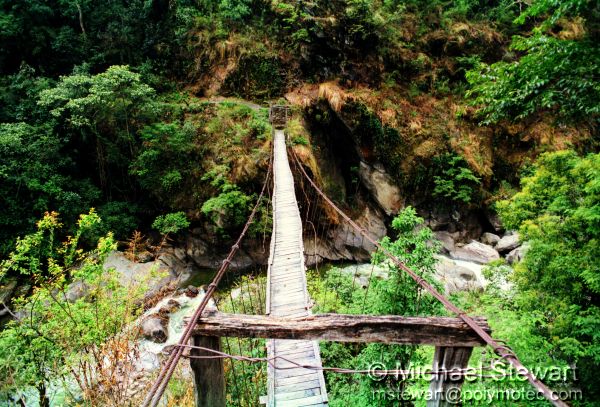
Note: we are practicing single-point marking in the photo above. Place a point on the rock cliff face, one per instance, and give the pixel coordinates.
(381, 187)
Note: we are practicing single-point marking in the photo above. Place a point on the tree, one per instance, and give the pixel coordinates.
(556, 73)
(171, 223)
(457, 182)
(167, 158)
(103, 109)
(558, 213)
(56, 335)
(35, 176)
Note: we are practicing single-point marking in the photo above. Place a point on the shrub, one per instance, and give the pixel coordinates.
(171, 223)
(457, 182)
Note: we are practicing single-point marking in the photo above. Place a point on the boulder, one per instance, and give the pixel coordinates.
(203, 254)
(144, 257)
(446, 239)
(362, 274)
(517, 254)
(508, 242)
(345, 243)
(489, 239)
(382, 187)
(77, 289)
(171, 306)
(494, 220)
(475, 252)
(156, 274)
(192, 291)
(154, 328)
(438, 220)
(458, 276)
(6, 292)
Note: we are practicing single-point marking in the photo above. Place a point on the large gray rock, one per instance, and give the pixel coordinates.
(156, 274)
(439, 220)
(458, 275)
(210, 255)
(382, 187)
(6, 292)
(363, 274)
(475, 252)
(77, 289)
(490, 239)
(508, 242)
(154, 328)
(345, 243)
(516, 255)
(446, 239)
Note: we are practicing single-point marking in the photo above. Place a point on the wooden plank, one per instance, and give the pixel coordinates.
(303, 385)
(289, 381)
(296, 372)
(298, 394)
(295, 352)
(301, 402)
(438, 331)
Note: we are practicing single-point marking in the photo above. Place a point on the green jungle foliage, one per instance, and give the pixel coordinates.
(58, 337)
(457, 182)
(555, 73)
(171, 223)
(558, 213)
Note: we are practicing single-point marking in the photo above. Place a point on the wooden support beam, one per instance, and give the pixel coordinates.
(445, 387)
(437, 331)
(209, 375)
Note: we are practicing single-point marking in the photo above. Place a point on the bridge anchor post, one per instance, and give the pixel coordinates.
(209, 374)
(445, 387)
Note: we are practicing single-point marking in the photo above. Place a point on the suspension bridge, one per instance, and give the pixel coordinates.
(295, 373)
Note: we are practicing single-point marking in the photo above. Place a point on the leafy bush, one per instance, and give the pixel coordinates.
(230, 208)
(557, 212)
(165, 158)
(457, 182)
(35, 175)
(556, 73)
(257, 77)
(171, 223)
(62, 337)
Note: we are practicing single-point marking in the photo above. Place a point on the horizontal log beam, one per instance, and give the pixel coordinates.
(437, 331)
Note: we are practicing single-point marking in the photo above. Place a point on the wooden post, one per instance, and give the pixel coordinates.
(445, 387)
(209, 375)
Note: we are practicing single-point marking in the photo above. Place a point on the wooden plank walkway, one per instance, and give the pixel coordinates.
(287, 296)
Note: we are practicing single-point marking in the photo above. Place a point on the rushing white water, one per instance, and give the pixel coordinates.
(150, 351)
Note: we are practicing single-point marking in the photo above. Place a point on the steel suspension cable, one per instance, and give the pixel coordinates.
(502, 350)
(158, 388)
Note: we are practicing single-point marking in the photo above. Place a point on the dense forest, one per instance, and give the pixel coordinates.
(143, 126)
